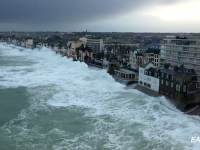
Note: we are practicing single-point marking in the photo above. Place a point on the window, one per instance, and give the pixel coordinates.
(172, 77)
(179, 88)
(162, 74)
(167, 83)
(172, 85)
(184, 88)
(176, 87)
(167, 76)
(149, 85)
(161, 81)
(149, 79)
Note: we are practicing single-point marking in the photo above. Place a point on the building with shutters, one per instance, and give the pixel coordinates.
(179, 83)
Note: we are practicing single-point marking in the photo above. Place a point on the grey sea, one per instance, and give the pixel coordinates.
(49, 102)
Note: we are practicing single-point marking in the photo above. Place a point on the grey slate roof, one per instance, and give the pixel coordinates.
(153, 70)
(153, 50)
(112, 56)
(182, 71)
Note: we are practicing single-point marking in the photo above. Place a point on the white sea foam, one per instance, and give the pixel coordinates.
(125, 119)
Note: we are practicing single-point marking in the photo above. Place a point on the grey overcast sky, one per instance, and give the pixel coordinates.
(100, 15)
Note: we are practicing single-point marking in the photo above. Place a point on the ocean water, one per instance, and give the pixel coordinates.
(49, 102)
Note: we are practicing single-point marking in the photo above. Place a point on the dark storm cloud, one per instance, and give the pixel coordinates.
(68, 11)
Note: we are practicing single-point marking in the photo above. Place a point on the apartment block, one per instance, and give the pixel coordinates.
(153, 56)
(180, 51)
(95, 44)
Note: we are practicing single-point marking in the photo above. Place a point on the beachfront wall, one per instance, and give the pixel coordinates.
(147, 81)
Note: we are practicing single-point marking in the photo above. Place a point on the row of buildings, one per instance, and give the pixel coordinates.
(177, 83)
(174, 50)
(170, 67)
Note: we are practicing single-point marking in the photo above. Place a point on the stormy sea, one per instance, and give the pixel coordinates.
(49, 102)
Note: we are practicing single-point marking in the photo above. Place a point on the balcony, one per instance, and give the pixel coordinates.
(185, 56)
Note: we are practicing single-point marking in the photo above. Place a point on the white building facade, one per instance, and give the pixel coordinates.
(146, 80)
(29, 43)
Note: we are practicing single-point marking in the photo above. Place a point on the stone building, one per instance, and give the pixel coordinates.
(179, 83)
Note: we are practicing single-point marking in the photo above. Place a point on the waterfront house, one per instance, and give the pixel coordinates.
(110, 63)
(84, 54)
(23, 44)
(149, 77)
(14, 41)
(179, 83)
(29, 43)
(72, 49)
